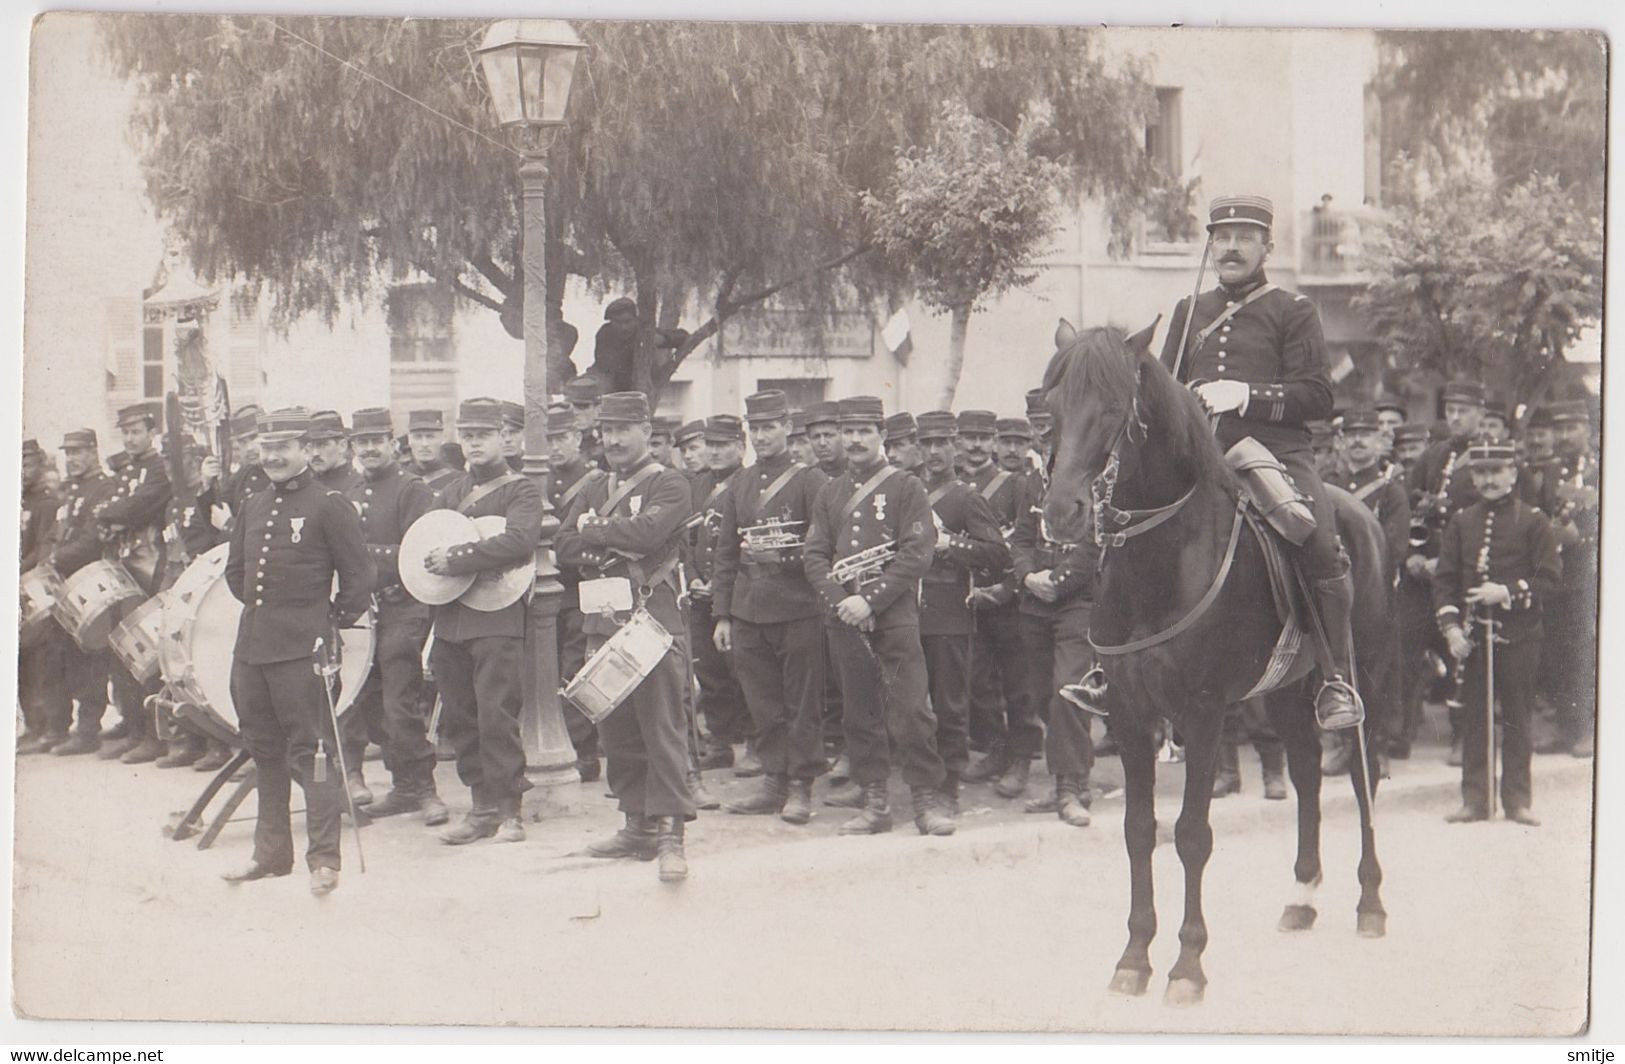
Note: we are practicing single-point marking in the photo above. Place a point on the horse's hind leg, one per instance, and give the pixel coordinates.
(1294, 722)
(1370, 918)
(1193, 838)
(1137, 746)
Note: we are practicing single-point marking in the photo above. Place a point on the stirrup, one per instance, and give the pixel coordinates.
(1087, 694)
(1348, 715)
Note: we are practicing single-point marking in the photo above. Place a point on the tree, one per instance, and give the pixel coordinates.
(1493, 285)
(705, 166)
(964, 218)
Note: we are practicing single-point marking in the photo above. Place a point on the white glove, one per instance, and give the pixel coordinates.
(219, 516)
(1221, 397)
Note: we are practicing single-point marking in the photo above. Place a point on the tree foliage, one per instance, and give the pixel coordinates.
(1477, 282)
(704, 166)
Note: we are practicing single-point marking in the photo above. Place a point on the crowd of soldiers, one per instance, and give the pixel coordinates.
(872, 590)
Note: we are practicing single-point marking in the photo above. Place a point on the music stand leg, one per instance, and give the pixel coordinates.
(194, 816)
(218, 824)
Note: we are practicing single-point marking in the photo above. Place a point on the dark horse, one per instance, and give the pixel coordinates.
(1119, 412)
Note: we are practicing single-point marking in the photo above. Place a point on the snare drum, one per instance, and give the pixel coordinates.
(88, 608)
(37, 597)
(135, 639)
(617, 668)
(199, 636)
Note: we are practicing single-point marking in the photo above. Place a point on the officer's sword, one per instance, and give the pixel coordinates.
(1488, 621)
(327, 666)
(1190, 308)
(690, 699)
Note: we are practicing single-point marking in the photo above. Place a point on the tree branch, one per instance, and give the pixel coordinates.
(479, 297)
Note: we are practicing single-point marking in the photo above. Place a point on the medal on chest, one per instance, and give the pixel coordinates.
(880, 506)
(635, 504)
(298, 526)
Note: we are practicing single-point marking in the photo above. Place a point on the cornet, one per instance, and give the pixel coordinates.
(775, 533)
(864, 566)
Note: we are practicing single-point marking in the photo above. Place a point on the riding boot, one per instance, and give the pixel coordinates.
(1013, 783)
(929, 818)
(1227, 780)
(798, 803)
(1337, 704)
(990, 766)
(768, 797)
(669, 847)
(875, 816)
(1273, 757)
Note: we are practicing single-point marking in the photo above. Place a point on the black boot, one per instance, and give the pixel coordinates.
(1227, 780)
(847, 796)
(477, 824)
(1273, 757)
(989, 766)
(1013, 783)
(875, 816)
(928, 817)
(1337, 705)
(948, 793)
(768, 798)
(798, 803)
(636, 839)
(669, 846)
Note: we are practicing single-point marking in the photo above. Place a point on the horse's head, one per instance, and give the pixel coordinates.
(1092, 389)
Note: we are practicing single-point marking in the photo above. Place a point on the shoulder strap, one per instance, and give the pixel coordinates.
(940, 491)
(620, 491)
(995, 484)
(573, 490)
(771, 492)
(480, 491)
(867, 489)
(1256, 294)
(717, 489)
(1365, 492)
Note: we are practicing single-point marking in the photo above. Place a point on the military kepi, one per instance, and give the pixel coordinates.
(372, 421)
(85, 438)
(32, 449)
(1361, 419)
(723, 428)
(860, 410)
(326, 425)
(138, 412)
(768, 405)
(1487, 451)
(1240, 210)
(281, 426)
(480, 414)
(624, 407)
(978, 422)
(937, 425)
(1470, 393)
(425, 420)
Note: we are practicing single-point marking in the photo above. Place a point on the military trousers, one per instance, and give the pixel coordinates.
(999, 693)
(1058, 652)
(721, 702)
(645, 741)
(47, 709)
(1570, 651)
(572, 638)
(1515, 665)
(1418, 633)
(481, 699)
(947, 669)
(781, 671)
(283, 716)
(389, 708)
(884, 687)
(86, 676)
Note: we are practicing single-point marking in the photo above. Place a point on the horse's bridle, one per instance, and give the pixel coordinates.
(1129, 523)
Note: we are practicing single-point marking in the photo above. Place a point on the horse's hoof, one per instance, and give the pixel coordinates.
(1183, 992)
(1371, 925)
(1298, 918)
(1129, 981)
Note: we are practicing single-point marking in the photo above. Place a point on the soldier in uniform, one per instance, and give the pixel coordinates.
(1001, 709)
(189, 532)
(513, 434)
(426, 435)
(1498, 559)
(969, 541)
(1057, 582)
(721, 702)
(824, 440)
(1257, 359)
(570, 474)
(1323, 441)
(288, 543)
(1409, 443)
(800, 447)
(1569, 496)
(130, 522)
(902, 445)
(629, 526)
(767, 616)
(1013, 443)
(1043, 423)
(689, 443)
(582, 394)
(1494, 422)
(660, 440)
(1391, 414)
(478, 656)
(873, 621)
(389, 708)
(224, 491)
(824, 435)
(330, 456)
(44, 703)
(77, 544)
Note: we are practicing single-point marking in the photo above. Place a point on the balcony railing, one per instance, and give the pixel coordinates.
(1334, 243)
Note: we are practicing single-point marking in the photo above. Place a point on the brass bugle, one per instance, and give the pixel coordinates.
(864, 565)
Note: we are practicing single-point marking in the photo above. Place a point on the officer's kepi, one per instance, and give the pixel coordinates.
(1240, 210)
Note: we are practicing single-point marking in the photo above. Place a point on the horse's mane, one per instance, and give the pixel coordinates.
(1100, 361)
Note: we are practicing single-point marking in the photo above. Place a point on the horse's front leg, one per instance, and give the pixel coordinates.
(1193, 839)
(1370, 918)
(1294, 723)
(1137, 745)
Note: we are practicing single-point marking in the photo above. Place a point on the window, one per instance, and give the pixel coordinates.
(1163, 134)
(420, 329)
(152, 362)
(801, 391)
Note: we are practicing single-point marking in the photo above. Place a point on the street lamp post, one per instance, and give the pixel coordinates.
(528, 65)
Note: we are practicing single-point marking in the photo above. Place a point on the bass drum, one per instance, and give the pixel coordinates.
(200, 630)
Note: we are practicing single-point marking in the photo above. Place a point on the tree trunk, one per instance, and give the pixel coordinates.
(959, 324)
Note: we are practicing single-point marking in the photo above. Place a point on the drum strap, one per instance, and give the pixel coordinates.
(1366, 491)
(765, 499)
(868, 488)
(618, 492)
(573, 490)
(480, 491)
(937, 495)
(995, 484)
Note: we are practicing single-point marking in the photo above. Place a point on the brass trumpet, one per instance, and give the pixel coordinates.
(864, 566)
(775, 533)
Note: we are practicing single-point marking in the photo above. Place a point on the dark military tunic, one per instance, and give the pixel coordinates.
(646, 737)
(565, 483)
(36, 520)
(39, 667)
(1381, 486)
(234, 489)
(1568, 495)
(721, 701)
(340, 478)
(77, 544)
(1002, 714)
(1504, 542)
(778, 637)
(1440, 485)
(133, 517)
(437, 475)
